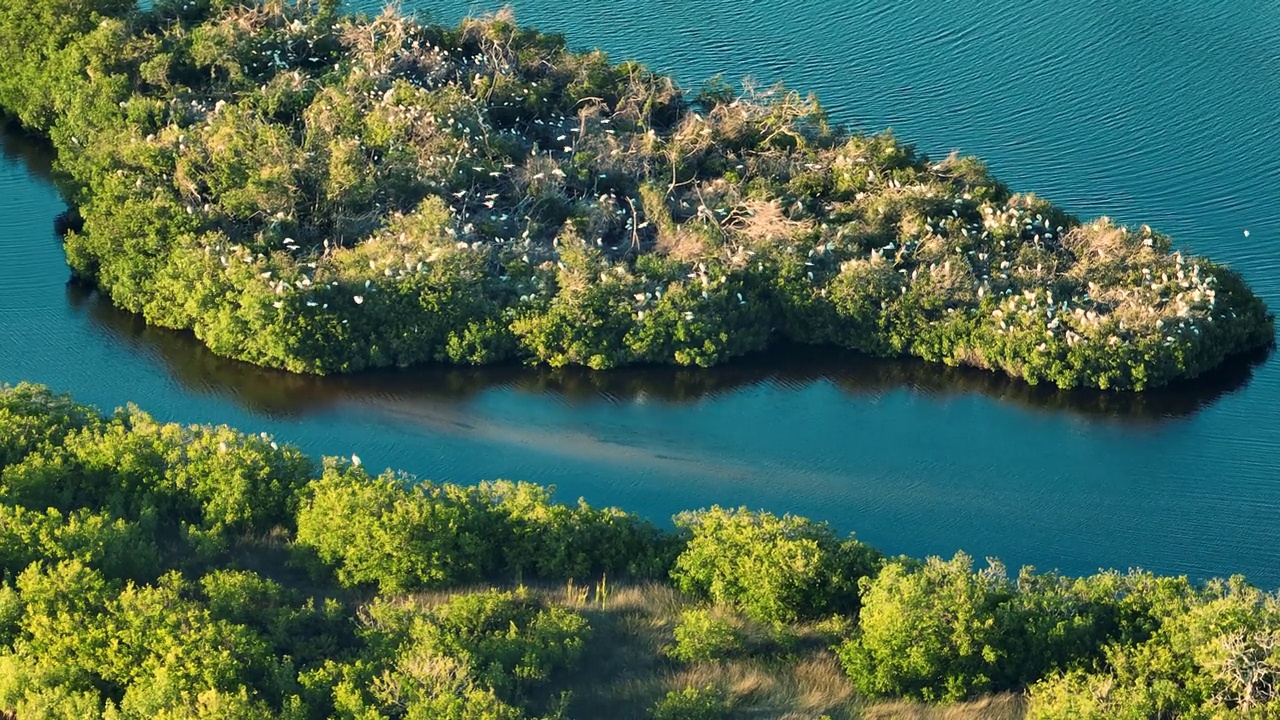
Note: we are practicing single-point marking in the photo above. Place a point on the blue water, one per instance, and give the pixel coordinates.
(1150, 112)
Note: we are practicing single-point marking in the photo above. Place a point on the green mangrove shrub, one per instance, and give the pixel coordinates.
(402, 533)
(1213, 654)
(930, 630)
(776, 569)
(475, 656)
(692, 703)
(702, 636)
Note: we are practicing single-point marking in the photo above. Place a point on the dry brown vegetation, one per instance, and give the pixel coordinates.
(999, 707)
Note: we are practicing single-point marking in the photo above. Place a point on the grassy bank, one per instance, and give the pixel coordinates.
(325, 193)
(154, 570)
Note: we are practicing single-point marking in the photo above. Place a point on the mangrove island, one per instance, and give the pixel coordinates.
(322, 192)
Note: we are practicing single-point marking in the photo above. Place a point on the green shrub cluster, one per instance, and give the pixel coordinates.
(1107, 646)
(692, 703)
(701, 636)
(80, 644)
(1213, 653)
(939, 630)
(119, 547)
(775, 569)
(476, 656)
(76, 473)
(153, 571)
(126, 588)
(325, 193)
(402, 533)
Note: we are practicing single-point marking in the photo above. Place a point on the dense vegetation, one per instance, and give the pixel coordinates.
(150, 570)
(326, 193)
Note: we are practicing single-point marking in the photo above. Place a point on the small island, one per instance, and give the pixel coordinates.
(327, 193)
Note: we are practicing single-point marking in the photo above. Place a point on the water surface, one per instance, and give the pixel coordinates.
(1148, 111)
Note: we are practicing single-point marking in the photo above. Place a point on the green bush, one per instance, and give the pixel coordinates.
(307, 629)
(44, 46)
(930, 630)
(117, 548)
(939, 630)
(1091, 697)
(402, 533)
(510, 641)
(775, 569)
(212, 479)
(477, 655)
(701, 636)
(708, 703)
(393, 533)
(368, 690)
(158, 652)
(1214, 652)
(562, 542)
(31, 417)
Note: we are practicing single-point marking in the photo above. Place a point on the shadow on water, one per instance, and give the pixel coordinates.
(34, 153)
(285, 394)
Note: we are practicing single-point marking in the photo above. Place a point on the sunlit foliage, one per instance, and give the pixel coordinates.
(776, 569)
(155, 571)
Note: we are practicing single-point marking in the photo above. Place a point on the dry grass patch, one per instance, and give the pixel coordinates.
(783, 673)
(681, 245)
(763, 221)
(998, 707)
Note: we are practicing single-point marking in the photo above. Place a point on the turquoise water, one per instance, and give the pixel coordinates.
(1148, 111)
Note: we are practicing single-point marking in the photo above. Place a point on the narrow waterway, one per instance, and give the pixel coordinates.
(1143, 112)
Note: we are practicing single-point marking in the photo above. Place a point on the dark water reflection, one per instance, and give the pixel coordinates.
(270, 392)
(1145, 111)
(17, 148)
